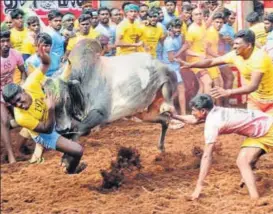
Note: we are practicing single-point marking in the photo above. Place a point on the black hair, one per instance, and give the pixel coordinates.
(206, 12)
(174, 23)
(269, 17)
(143, 5)
(158, 9)
(83, 17)
(186, 7)
(124, 4)
(247, 35)
(202, 101)
(173, 1)
(252, 17)
(10, 91)
(68, 13)
(87, 12)
(103, 9)
(5, 34)
(32, 19)
(218, 16)
(152, 13)
(54, 14)
(226, 13)
(44, 38)
(15, 13)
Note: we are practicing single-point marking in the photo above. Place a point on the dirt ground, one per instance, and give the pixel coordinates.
(159, 187)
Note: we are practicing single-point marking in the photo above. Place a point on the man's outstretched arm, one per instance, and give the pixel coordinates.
(207, 63)
(204, 170)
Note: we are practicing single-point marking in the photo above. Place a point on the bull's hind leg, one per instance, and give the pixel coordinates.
(153, 115)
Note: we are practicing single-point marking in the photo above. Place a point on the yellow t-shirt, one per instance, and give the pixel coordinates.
(212, 40)
(130, 33)
(16, 40)
(259, 61)
(260, 34)
(74, 40)
(28, 46)
(76, 25)
(196, 37)
(38, 110)
(151, 36)
(184, 29)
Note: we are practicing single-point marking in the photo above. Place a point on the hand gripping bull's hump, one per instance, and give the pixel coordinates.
(96, 90)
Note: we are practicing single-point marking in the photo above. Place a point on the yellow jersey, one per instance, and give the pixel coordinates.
(151, 36)
(260, 34)
(37, 111)
(74, 40)
(259, 61)
(17, 38)
(184, 29)
(196, 37)
(28, 46)
(212, 40)
(131, 33)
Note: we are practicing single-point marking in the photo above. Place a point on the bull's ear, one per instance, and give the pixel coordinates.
(67, 71)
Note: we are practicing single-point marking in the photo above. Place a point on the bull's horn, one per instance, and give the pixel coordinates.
(67, 71)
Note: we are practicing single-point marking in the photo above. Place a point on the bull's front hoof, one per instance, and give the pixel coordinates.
(161, 149)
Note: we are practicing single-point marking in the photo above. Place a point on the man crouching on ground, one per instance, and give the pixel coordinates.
(255, 125)
(35, 111)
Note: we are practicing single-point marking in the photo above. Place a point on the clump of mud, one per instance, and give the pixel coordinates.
(197, 152)
(128, 159)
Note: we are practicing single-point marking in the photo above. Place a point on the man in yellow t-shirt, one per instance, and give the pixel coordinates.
(195, 38)
(35, 111)
(85, 32)
(28, 46)
(128, 32)
(258, 28)
(152, 33)
(17, 36)
(255, 66)
(212, 45)
(185, 16)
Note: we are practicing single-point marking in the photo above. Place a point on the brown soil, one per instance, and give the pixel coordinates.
(161, 185)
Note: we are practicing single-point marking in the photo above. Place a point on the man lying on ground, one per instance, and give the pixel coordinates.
(254, 124)
(36, 111)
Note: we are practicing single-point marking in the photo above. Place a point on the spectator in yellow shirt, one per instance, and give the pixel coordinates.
(17, 36)
(85, 32)
(128, 32)
(258, 28)
(28, 46)
(196, 39)
(185, 17)
(152, 33)
(212, 44)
